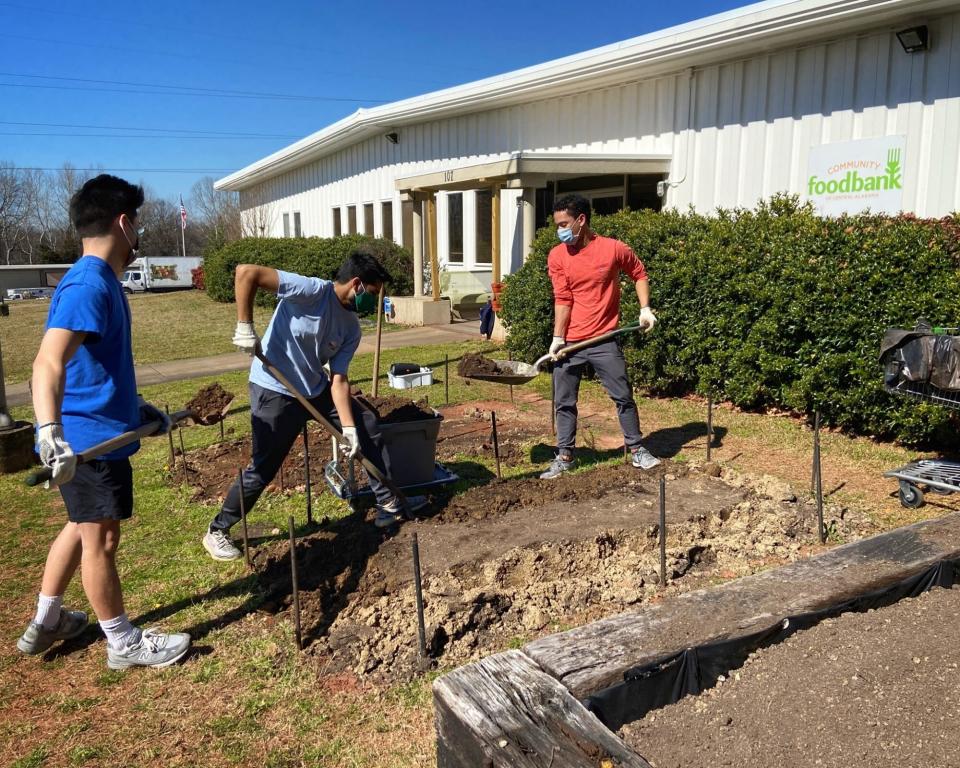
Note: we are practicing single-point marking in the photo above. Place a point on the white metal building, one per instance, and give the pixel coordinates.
(777, 96)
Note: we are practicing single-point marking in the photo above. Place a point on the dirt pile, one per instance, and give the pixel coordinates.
(538, 567)
(393, 410)
(210, 404)
(474, 364)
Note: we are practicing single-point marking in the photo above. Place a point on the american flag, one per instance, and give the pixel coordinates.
(183, 214)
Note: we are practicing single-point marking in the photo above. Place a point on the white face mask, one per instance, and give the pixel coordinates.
(134, 247)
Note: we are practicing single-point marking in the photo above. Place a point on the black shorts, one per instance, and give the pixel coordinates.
(100, 490)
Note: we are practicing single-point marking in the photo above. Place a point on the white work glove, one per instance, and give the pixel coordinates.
(245, 338)
(556, 345)
(647, 319)
(351, 442)
(56, 454)
(149, 412)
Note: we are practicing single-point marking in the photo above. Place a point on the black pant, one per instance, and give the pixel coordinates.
(277, 420)
(607, 360)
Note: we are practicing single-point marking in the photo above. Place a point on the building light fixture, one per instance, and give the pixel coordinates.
(393, 137)
(914, 39)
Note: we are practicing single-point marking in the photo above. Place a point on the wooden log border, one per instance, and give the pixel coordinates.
(538, 707)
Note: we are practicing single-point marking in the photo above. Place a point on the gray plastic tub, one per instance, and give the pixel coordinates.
(412, 448)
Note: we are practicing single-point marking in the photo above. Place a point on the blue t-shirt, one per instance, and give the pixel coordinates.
(100, 394)
(309, 328)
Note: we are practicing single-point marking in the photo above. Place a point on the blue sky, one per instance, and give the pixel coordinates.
(206, 88)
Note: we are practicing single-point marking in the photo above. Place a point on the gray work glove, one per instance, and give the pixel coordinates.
(149, 412)
(56, 454)
(556, 345)
(351, 442)
(647, 319)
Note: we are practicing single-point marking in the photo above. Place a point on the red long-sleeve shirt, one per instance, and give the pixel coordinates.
(588, 281)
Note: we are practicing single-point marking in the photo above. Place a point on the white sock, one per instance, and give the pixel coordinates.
(120, 632)
(48, 610)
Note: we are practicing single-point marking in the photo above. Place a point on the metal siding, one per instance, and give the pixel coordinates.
(754, 123)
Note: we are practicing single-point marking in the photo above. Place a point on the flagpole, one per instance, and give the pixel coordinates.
(183, 229)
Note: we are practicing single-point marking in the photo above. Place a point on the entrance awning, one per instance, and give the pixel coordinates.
(530, 169)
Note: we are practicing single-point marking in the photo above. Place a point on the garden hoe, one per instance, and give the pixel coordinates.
(121, 440)
(325, 423)
(516, 372)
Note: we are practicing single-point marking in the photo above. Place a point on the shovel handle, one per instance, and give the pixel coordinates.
(325, 423)
(585, 344)
(114, 443)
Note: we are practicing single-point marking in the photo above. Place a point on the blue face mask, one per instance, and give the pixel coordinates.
(566, 235)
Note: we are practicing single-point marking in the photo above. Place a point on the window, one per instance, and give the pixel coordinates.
(286, 225)
(351, 219)
(455, 227)
(368, 219)
(386, 215)
(406, 219)
(297, 232)
(484, 226)
(337, 226)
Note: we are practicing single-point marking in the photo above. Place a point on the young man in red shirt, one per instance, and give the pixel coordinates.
(585, 271)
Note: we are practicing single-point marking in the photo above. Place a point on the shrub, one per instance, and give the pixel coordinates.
(771, 308)
(312, 256)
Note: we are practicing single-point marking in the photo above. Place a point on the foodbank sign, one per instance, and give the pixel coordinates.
(855, 175)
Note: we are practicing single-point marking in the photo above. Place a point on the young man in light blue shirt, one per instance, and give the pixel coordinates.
(315, 324)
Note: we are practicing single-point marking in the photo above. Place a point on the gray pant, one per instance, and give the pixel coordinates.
(607, 360)
(277, 420)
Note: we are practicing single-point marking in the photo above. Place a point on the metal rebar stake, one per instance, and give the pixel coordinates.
(818, 488)
(446, 379)
(816, 451)
(295, 587)
(496, 443)
(421, 629)
(243, 520)
(183, 451)
(663, 531)
(306, 468)
(173, 455)
(709, 426)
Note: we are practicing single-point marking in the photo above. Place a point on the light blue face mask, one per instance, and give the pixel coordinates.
(566, 235)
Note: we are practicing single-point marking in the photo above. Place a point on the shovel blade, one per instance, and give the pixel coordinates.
(511, 372)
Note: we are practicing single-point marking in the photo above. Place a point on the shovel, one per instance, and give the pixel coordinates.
(325, 423)
(516, 372)
(121, 440)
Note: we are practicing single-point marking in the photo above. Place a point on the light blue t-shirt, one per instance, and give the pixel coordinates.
(100, 394)
(309, 328)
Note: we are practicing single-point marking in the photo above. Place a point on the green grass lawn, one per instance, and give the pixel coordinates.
(246, 697)
(166, 326)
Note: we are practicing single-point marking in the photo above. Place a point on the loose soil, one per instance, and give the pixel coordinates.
(209, 405)
(474, 363)
(506, 561)
(392, 410)
(875, 688)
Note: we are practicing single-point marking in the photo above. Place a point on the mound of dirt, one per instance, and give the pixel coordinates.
(209, 403)
(590, 551)
(393, 410)
(474, 363)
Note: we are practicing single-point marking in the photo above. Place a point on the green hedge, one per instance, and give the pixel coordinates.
(773, 308)
(312, 256)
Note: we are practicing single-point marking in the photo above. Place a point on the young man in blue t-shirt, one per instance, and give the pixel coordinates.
(84, 393)
(315, 324)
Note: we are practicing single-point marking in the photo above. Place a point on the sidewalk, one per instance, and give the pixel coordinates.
(192, 368)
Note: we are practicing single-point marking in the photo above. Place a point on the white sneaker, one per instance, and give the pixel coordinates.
(218, 544)
(154, 649)
(643, 459)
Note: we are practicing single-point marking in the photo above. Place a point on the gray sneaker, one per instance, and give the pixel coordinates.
(557, 467)
(218, 544)
(391, 513)
(643, 459)
(154, 649)
(35, 639)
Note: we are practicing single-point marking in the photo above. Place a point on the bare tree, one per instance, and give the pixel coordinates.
(217, 213)
(13, 209)
(257, 212)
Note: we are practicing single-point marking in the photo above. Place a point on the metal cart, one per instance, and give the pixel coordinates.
(935, 475)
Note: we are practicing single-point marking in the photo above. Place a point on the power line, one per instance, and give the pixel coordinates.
(132, 136)
(125, 170)
(161, 130)
(184, 90)
(161, 93)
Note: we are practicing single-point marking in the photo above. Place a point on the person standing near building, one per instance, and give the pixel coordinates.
(585, 271)
(315, 324)
(84, 393)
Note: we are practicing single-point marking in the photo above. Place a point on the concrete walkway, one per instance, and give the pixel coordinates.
(192, 368)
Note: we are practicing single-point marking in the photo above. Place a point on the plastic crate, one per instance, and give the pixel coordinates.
(422, 379)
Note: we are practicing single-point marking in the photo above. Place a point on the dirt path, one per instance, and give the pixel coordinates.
(876, 688)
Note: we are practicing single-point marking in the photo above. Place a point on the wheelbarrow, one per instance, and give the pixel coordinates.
(517, 372)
